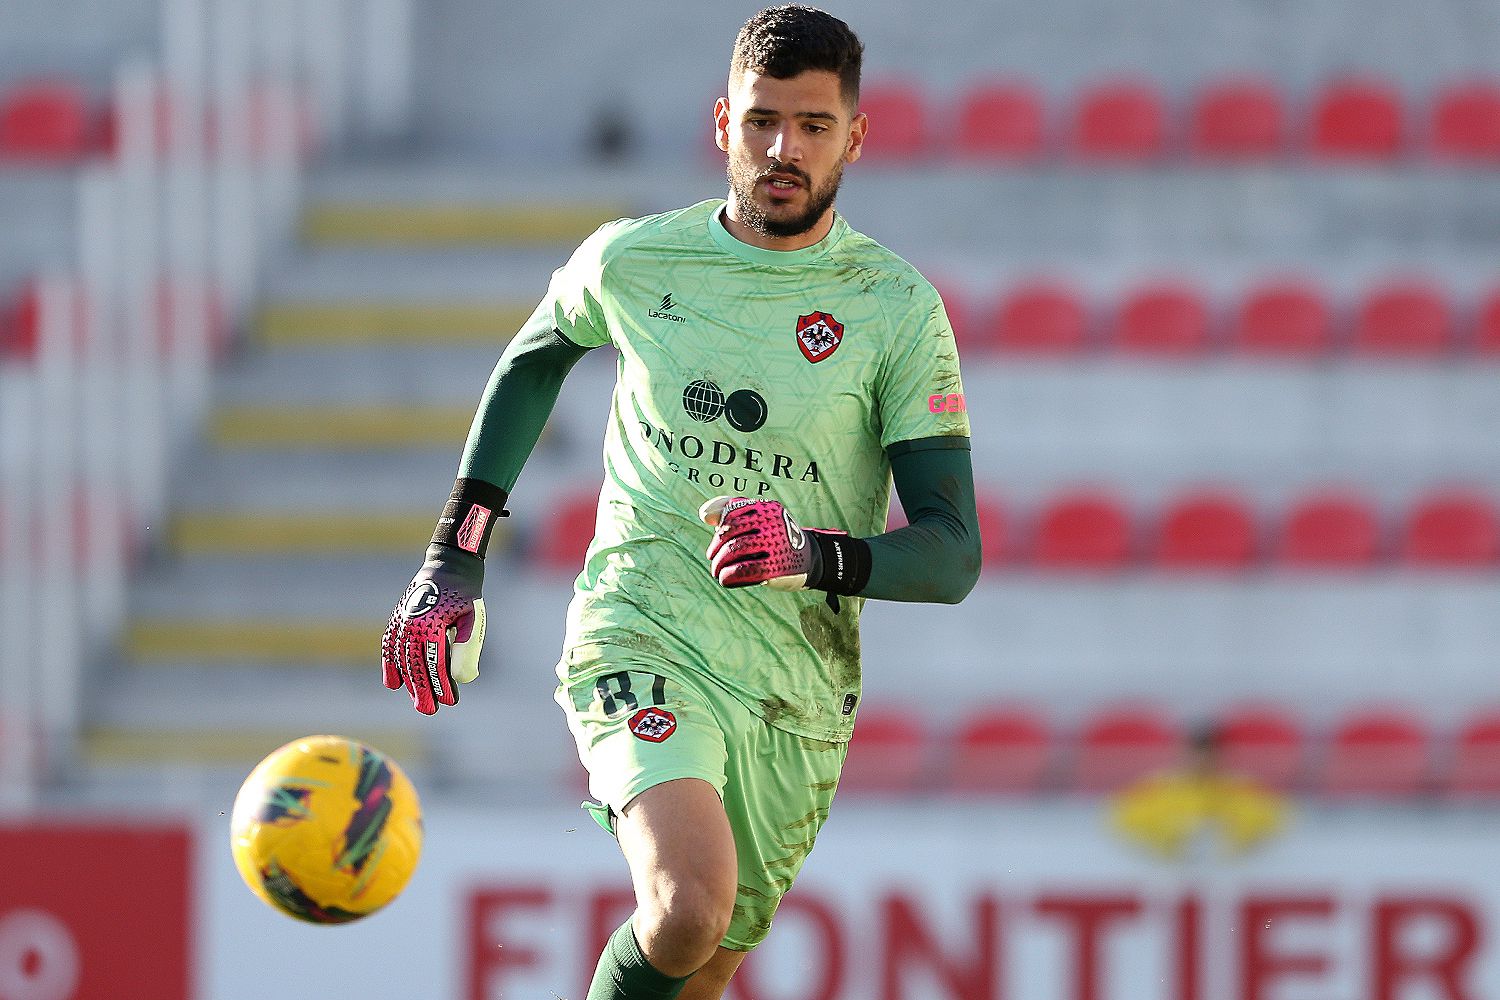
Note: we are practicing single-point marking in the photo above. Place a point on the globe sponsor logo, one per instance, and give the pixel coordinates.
(705, 402)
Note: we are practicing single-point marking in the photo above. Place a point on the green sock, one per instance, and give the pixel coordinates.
(624, 974)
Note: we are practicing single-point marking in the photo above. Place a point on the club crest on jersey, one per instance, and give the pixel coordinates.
(819, 335)
(653, 724)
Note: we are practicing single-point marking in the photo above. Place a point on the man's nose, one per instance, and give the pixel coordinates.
(784, 146)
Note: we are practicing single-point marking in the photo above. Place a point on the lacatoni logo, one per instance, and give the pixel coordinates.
(653, 724)
(952, 402)
(664, 310)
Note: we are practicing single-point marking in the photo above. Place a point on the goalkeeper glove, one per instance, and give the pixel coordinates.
(434, 636)
(758, 541)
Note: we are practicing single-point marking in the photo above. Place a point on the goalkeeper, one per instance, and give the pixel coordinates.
(775, 369)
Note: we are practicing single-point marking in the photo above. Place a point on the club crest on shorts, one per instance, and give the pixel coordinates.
(653, 724)
(819, 335)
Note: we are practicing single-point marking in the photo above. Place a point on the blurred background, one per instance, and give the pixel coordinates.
(1221, 720)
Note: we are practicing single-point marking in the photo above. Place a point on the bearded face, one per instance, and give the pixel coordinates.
(788, 141)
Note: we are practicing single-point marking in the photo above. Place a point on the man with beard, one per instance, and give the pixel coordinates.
(775, 368)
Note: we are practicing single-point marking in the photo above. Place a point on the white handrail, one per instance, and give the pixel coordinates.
(172, 231)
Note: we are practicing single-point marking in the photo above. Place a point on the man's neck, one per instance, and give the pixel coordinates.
(751, 237)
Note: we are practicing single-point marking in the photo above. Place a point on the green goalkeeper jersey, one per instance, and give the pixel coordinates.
(782, 375)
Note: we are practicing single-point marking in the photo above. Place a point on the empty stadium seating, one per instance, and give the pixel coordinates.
(1213, 530)
(1084, 530)
(1283, 320)
(1414, 320)
(566, 533)
(1474, 768)
(1358, 119)
(1120, 122)
(1227, 121)
(1120, 745)
(1002, 122)
(1406, 318)
(1238, 120)
(1331, 530)
(1162, 320)
(1042, 318)
(1324, 530)
(1366, 754)
(1452, 529)
(898, 115)
(1466, 123)
(888, 753)
(1377, 753)
(46, 121)
(1265, 743)
(1006, 750)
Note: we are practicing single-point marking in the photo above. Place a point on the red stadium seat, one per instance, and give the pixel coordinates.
(1004, 750)
(888, 753)
(1122, 745)
(1163, 320)
(1379, 753)
(1238, 120)
(1475, 768)
(24, 320)
(1466, 123)
(1120, 122)
(1452, 529)
(898, 122)
(1487, 338)
(1001, 121)
(1329, 530)
(1408, 319)
(1263, 743)
(45, 121)
(1042, 318)
(1359, 120)
(1286, 319)
(567, 532)
(992, 530)
(1083, 531)
(1206, 531)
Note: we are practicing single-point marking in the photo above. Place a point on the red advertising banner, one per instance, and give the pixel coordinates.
(95, 911)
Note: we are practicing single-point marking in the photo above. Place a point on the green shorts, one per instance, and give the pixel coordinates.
(636, 727)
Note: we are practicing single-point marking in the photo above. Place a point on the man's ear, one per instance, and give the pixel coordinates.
(721, 123)
(857, 132)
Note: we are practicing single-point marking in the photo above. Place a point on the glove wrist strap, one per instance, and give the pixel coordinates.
(845, 563)
(469, 516)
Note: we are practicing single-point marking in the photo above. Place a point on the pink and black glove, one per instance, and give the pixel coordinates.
(433, 640)
(758, 541)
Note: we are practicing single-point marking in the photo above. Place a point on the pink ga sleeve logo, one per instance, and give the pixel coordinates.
(952, 402)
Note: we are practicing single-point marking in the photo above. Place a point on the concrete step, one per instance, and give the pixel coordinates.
(433, 222)
(338, 272)
(342, 594)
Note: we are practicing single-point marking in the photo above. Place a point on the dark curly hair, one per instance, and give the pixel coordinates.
(784, 41)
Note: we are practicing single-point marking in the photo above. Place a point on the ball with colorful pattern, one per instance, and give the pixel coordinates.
(326, 829)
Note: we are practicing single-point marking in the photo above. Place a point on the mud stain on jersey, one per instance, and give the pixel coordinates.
(643, 642)
(836, 640)
(774, 708)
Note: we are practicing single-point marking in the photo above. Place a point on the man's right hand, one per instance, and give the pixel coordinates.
(432, 642)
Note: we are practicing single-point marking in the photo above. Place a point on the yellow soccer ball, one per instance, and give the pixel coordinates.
(327, 829)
